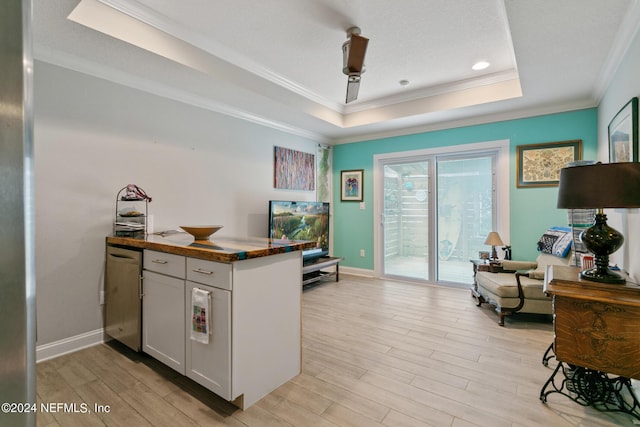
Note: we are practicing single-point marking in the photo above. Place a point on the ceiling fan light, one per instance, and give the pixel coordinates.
(353, 53)
(346, 48)
(480, 65)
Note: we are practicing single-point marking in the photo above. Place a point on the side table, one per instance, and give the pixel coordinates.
(314, 272)
(596, 342)
(482, 265)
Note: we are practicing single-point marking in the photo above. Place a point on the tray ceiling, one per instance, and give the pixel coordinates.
(279, 62)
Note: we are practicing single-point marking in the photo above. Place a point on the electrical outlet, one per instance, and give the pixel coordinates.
(362, 252)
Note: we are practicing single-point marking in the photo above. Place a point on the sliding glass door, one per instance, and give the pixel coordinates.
(436, 212)
(406, 219)
(466, 209)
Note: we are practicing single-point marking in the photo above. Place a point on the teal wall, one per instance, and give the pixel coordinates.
(532, 210)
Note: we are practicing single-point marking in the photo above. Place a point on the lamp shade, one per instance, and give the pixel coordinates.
(493, 239)
(610, 185)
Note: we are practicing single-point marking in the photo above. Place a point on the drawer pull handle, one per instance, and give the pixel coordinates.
(197, 270)
(159, 261)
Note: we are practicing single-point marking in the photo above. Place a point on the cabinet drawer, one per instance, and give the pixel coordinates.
(210, 273)
(160, 262)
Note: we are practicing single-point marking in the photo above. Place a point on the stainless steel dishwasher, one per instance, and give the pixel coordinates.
(123, 294)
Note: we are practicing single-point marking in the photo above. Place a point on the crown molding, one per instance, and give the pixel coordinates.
(165, 24)
(101, 71)
(402, 108)
(111, 74)
(432, 91)
(469, 121)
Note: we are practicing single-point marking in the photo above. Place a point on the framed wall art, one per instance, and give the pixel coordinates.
(623, 134)
(293, 170)
(351, 185)
(538, 165)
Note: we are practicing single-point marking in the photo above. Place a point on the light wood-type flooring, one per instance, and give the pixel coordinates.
(375, 353)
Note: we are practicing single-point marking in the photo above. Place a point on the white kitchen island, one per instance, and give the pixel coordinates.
(254, 286)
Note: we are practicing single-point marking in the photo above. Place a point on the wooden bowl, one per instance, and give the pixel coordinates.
(201, 232)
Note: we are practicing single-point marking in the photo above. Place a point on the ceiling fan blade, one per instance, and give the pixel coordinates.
(353, 86)
(357, 50)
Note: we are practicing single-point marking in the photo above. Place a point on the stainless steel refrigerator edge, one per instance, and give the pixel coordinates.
(123, 296)
(17, 269)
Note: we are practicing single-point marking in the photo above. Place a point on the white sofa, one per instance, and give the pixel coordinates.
(519, 288)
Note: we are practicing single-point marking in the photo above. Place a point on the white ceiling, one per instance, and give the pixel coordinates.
(279, 62)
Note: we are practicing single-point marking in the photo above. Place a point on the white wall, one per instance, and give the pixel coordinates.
(93, 137)
(624, 85)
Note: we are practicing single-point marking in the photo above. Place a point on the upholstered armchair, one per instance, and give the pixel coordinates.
(519, 287)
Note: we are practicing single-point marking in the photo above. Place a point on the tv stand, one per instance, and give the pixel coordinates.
(314, 271)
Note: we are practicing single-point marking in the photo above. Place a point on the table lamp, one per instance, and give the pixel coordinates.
(494, 240)
(599, 186)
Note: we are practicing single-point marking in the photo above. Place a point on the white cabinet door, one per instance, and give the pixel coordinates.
(163, 319)
(210, 364)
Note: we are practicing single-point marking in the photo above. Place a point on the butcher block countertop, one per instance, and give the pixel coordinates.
(223, 249)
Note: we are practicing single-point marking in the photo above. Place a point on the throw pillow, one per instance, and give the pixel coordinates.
(556, 241)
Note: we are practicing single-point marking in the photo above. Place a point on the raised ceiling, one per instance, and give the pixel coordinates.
(279, 62)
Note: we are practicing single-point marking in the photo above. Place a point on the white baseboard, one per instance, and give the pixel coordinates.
(69, 345)
(356, 271)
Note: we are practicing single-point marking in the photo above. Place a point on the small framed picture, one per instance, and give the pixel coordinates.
(538, 165)
(351, 185)
(623, 134)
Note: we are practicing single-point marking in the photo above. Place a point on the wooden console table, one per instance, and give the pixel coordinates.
(597, 337)
(315, 271)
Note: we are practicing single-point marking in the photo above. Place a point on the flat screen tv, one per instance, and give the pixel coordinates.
(301, 221)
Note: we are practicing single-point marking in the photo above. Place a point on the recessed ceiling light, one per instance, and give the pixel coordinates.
(481, 65)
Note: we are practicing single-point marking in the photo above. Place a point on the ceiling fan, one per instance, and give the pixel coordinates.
(353, 51)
